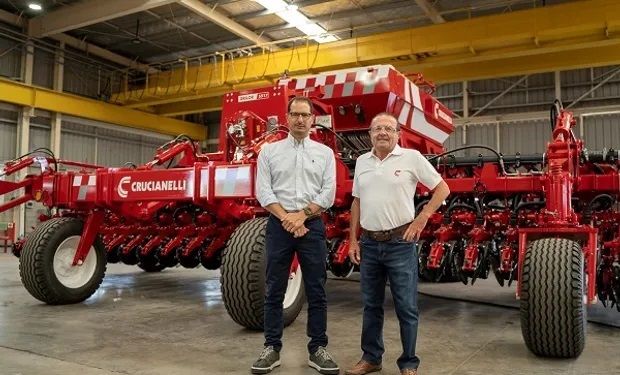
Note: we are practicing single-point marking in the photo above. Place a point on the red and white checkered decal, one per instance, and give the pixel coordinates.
(409, 107)
(346, 82)
(85, 185)
(233, 181)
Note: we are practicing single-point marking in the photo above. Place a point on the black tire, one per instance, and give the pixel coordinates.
(553, 315)
(151, 267)
(423, 249)
(452, 273)
(243, 277)
(148, 263)
(36, 264)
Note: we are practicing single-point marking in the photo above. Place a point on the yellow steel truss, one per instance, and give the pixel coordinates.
(35, 97)
(567, 36)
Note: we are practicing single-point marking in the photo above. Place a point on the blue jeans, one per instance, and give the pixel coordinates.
(396, 261)
(311, 252)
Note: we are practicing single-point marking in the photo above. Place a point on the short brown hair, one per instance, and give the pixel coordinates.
(304, 99)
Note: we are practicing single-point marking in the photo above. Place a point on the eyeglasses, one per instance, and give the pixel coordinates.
(304, 115)
(379, 129)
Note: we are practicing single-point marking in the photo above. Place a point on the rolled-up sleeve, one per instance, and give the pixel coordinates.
(327, 194)
(264, 191)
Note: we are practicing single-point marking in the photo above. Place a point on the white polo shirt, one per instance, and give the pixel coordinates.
(386, 188)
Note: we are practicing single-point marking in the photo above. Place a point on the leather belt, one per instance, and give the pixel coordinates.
(386, 235)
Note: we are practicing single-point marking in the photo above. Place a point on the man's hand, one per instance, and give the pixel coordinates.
(354, 252)
(293, 221)
(416, 227)
(440, 193)
(301, 232)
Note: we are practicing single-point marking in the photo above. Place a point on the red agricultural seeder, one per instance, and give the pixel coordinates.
(548, 221)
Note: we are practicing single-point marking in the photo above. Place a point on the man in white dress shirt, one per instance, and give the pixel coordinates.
(383, 189)
(295, 182)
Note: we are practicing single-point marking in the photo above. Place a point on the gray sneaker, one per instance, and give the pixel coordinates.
(323, 362)
(268, 359)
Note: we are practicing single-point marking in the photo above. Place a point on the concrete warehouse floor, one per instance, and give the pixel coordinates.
(175, 322)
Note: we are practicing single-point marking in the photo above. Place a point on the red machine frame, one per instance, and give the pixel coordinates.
(185, 206)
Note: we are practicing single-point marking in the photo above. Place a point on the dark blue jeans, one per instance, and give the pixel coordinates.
(311, 252)
(396, 261)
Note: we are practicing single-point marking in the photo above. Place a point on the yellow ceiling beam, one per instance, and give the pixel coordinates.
(494, 41)
(137, 99)
(190, 106)
(468, 69)
(471, 69)
(35, 97)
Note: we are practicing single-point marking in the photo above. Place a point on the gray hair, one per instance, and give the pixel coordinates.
(386, 114)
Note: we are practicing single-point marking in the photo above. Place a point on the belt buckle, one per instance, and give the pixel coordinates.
(383, 236)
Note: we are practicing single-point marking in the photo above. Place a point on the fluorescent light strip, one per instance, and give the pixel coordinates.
(290, 14)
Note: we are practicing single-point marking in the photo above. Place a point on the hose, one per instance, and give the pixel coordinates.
(345, 141)
(499, 156)
(43, 150)
(608, 197)
(556, 108)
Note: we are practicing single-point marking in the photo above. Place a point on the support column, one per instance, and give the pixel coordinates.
(465, 100)
(498, 139)
(56, 121)
(96, 156)
(558, 85)
(464, 135)
(465, 114)
(23, 132)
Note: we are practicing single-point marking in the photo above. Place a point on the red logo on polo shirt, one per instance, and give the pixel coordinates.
(397, 172)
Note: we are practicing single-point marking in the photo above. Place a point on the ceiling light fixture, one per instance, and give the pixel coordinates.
(35, 6)
(292, 15)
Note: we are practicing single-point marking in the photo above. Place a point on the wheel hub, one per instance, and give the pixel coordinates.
(295, 281)
(67, 274)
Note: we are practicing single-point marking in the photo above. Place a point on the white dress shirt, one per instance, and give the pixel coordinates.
(386, 188)
(295, 173)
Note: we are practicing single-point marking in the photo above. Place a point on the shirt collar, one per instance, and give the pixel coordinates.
(296, 143)
(397, 151)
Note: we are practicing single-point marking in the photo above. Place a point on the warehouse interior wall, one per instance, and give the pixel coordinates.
(81, 139)
(508, 113)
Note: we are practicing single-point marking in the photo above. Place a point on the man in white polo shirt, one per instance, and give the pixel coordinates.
(383, 189)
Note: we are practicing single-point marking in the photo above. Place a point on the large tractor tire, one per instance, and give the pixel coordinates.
(553, 315)
(45, 264)
(243, 278)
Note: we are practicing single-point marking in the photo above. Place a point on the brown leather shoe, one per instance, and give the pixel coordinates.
(362, 367)
(409, 371)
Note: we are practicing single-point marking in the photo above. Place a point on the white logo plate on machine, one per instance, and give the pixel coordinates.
(252, 97)
(325, 120)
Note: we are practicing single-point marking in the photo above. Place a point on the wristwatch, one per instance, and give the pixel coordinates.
(308, 211)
